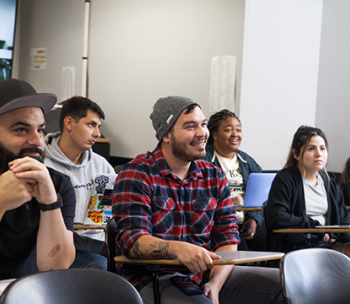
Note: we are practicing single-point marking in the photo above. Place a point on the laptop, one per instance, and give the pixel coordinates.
(99, 210)
(258, 188)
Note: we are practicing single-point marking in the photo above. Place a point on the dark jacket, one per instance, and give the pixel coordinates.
(346, 190)
(286, 209)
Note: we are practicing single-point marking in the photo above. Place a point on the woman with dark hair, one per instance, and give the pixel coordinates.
(344, 183)
(303, 196)
(222, 150)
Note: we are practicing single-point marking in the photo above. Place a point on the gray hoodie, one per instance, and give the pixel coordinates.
(82, 176)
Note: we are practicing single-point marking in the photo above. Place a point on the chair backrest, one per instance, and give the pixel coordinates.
(73, 286)
(110, 243)
(315, 275)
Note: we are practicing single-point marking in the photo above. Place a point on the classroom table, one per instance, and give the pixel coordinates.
(324, 229)
(103, 140)
(80, 227)
(242, 208)
(227, 258)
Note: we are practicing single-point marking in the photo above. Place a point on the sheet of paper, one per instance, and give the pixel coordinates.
(222, 83)
(38, 58)
(67, 82)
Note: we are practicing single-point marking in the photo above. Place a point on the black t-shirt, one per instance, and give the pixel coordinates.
(19, 227)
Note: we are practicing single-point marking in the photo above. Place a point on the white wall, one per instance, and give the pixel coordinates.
(333, 104)
(279, 75)
(138, 51)
(57, 26)
(146, 50)
(142, 50)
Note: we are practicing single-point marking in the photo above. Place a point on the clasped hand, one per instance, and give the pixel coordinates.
(27, 178)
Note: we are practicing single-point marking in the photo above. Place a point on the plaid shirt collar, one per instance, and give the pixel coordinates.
(164, 169)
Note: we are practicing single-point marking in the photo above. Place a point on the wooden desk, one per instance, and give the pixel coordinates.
(348, 207)
(227, 258)
(312, 230)
(79, 227)
(103, 140)
(248, 208)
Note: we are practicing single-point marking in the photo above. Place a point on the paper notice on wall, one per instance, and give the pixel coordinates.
(67, 82)
(38, 58)
(222, 83)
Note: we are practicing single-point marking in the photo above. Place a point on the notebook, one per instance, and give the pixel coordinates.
(258, 188)
(99, 210)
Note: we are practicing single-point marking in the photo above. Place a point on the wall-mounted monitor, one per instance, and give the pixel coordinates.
(8, 10)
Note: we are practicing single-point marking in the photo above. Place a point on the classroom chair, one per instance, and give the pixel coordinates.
(73, 286)
(315, 276)
(110, 233)
(130, 268)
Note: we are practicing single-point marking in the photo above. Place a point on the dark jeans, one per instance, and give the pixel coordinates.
(83, 259)
(258, 243)
(313, 243)
(245, 284)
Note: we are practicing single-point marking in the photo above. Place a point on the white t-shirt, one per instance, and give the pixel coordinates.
(235, 180)
(316, 200)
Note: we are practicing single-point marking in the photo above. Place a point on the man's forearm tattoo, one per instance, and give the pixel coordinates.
(136, 249)
(159, 250)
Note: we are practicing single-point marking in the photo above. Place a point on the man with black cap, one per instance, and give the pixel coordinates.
(169, 204)
(36, 203)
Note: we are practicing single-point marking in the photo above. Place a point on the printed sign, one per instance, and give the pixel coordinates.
(38, 59)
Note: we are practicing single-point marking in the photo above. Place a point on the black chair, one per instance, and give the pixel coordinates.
(118, 168)
(335, 175)
(129, 268)
(315, 276)
(268, 232)
(110, 233)
(73, 286)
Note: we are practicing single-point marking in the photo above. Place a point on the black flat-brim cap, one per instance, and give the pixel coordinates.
(15, 94)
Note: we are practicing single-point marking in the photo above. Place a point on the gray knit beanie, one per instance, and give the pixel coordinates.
(166, 111)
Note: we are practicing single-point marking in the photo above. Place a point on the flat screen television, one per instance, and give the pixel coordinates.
(8, 12)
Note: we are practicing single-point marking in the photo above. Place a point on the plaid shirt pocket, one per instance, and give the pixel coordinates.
(202, 215)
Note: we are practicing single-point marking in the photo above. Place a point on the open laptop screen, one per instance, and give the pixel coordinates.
(258, 188)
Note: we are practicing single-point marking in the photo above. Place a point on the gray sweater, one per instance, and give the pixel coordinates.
(82, 176)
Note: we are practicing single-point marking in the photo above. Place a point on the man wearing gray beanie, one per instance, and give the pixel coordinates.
(166, 111)
(169, 204)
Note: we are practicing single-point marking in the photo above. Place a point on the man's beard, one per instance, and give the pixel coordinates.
(180, 151)
(6, 156)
